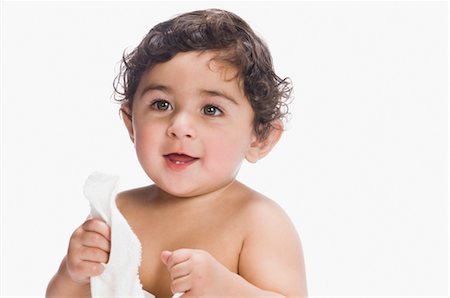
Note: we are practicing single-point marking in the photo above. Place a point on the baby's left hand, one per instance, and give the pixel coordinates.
(196, 273)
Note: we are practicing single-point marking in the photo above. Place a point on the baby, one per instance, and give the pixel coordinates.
(199, 95)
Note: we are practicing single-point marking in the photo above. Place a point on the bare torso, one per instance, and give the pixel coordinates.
(217, 225)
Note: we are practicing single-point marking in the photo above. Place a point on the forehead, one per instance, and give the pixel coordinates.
(188, 71)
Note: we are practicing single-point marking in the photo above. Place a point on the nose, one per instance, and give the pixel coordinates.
(181, 126)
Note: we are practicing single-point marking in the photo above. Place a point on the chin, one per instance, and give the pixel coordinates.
(182, 194)
(178, 190)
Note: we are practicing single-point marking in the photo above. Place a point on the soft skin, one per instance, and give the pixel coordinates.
(202, 231)
(169, 117)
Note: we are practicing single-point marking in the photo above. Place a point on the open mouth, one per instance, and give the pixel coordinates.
(179, 161)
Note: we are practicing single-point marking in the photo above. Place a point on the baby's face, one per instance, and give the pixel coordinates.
(192, 124)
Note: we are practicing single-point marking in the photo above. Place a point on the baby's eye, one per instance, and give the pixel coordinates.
(211, 110)
(161, 105)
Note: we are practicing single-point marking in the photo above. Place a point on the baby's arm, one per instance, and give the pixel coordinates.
(89, 246)
(270, 264)
(271, 257)
(61, 285)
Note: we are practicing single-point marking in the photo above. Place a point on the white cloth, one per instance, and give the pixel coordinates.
(121, 275)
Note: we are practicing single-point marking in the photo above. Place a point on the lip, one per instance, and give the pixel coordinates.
(179, 161)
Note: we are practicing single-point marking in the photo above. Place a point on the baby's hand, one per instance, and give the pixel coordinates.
(196, 272)
(89, 246)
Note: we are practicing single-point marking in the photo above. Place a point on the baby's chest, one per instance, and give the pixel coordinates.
(223, 240)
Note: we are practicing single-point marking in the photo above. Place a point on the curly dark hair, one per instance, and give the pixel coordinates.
(236, 44)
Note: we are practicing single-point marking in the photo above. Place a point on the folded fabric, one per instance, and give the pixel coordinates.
(121, 275)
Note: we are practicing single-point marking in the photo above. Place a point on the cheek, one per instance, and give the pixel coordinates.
(228, 149)
(146, 137)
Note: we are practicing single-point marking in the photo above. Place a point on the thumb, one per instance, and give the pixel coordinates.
(165, 255)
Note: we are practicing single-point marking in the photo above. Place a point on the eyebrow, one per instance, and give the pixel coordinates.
(220, 94)
(167, 89)
(152, 87)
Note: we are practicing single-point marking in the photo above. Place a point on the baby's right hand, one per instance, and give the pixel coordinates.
(89, 246)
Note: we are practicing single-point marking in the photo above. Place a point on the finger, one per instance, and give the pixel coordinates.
(180, 270)
(96, 240)
(82, 271)
(181, 284)
(98, 226)
(93, 255)
(88, 268)
(179, 256)
(165, 254)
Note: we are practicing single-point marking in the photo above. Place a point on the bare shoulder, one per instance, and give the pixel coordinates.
(261, 213)
(271, 244)
(258, 208)
(132, 198)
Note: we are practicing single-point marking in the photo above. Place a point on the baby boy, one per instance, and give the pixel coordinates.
(198, 96)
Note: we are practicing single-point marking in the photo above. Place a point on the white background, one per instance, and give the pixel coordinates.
(362, 170)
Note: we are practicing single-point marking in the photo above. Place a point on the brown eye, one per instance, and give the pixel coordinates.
(211, 110)
(161, 105)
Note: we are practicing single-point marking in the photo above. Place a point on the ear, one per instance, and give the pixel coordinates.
(260, 148)
(125, 112)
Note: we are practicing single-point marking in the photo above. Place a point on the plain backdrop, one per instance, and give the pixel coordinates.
(362, 169)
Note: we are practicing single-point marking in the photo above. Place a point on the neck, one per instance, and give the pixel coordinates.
(202, 198)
